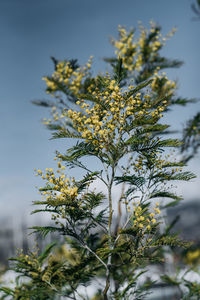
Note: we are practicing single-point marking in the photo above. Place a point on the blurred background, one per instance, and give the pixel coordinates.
(33, 31)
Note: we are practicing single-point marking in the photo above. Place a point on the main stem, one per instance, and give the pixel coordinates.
(110, 184)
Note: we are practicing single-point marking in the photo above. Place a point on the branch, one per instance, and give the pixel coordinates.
(91, 251)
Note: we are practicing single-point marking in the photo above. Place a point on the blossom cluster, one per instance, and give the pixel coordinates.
(103, 119)
(58, 186)
(155, 162)
(193, 256)
(30, 262)
(161, 85)
(67, 77)
(142, 218)
(133, 51)
(106, 120)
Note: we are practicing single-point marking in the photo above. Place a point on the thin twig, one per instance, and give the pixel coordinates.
(91, 251)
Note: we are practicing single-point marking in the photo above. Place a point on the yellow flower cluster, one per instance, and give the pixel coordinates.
(193, 256)
(140, 164)
(58, 186)
(104, 122)
(126, 48)
(113, 109)
(132, 51)
(67, 77)
(161, 85)
(142, 218)
(157, 160)
(30, 261)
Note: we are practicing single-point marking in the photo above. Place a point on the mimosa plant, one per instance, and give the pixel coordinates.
(116, 119)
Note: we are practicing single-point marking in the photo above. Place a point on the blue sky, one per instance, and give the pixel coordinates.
(31, 32)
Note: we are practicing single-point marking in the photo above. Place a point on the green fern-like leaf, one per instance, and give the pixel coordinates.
(133, 180)
(138, 88)
(165, 194)
(170, 143)
(46, 230)
(46, 252)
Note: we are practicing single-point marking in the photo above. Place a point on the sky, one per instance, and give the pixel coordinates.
(33, 31)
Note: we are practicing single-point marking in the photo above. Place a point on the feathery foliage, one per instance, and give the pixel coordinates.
(111, 239)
